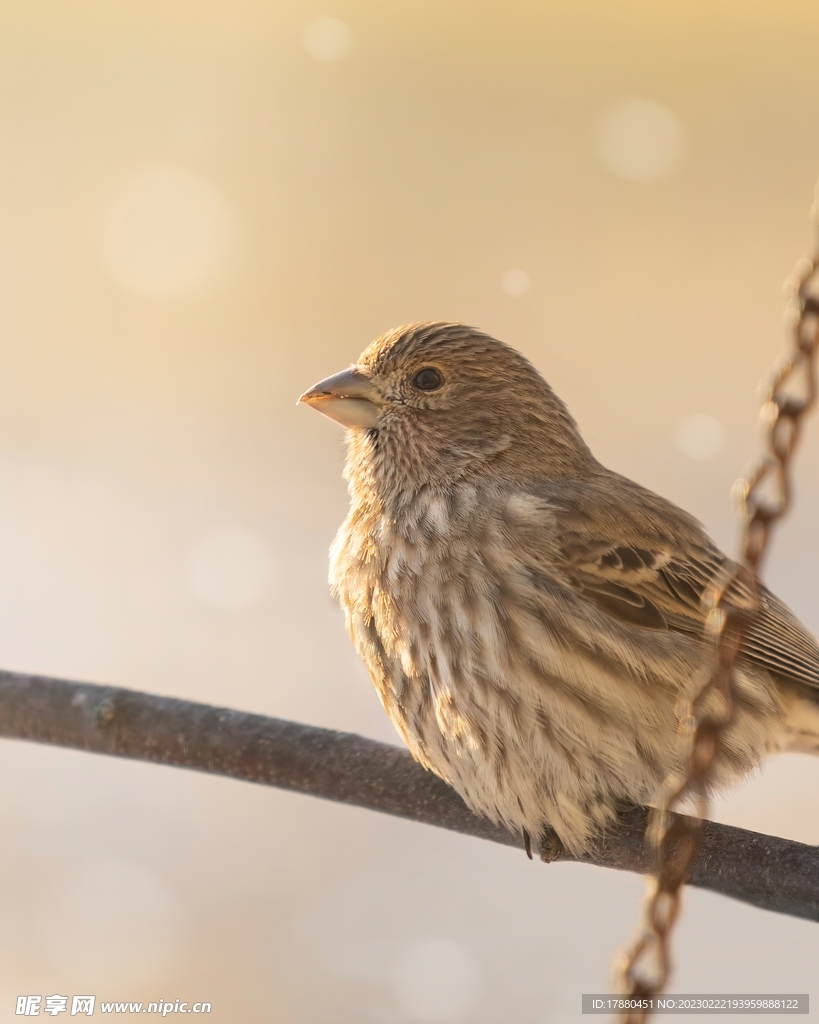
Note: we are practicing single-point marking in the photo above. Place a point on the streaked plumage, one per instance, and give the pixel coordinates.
(529, 618)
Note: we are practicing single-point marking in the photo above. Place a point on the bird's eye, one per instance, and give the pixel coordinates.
(428, 379)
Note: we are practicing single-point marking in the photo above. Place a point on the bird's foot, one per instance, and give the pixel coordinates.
(551, 848)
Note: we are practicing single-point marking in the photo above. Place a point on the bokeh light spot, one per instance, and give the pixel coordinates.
(115, 919)
(327, 38)
(230, 568)
(700, 436)
(515, 282)
(639, 140)
(163, 231)
(436, 980)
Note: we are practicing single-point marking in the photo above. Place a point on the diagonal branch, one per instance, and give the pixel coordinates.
(765, 871)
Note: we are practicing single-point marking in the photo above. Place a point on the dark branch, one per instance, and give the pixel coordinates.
(765, 871)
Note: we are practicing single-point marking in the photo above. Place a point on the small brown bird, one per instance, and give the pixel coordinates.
(531, 619)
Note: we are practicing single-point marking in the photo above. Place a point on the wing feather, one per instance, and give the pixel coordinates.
(641, 559)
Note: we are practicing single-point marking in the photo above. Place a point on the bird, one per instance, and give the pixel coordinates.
(531, 619)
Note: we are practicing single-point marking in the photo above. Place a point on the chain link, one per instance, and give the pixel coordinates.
(764, 495)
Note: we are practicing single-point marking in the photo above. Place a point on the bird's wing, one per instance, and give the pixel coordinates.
(644, 561)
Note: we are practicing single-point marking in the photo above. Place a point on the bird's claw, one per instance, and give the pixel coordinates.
(551, 847)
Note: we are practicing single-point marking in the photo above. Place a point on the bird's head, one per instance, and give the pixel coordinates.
(435, 402)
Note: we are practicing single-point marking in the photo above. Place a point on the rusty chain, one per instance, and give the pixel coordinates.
(764, 495)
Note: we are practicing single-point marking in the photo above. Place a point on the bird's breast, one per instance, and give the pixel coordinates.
(440, 607)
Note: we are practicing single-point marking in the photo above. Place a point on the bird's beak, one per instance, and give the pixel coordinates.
(348, 398)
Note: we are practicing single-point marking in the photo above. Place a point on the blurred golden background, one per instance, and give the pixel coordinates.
(204, 208)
